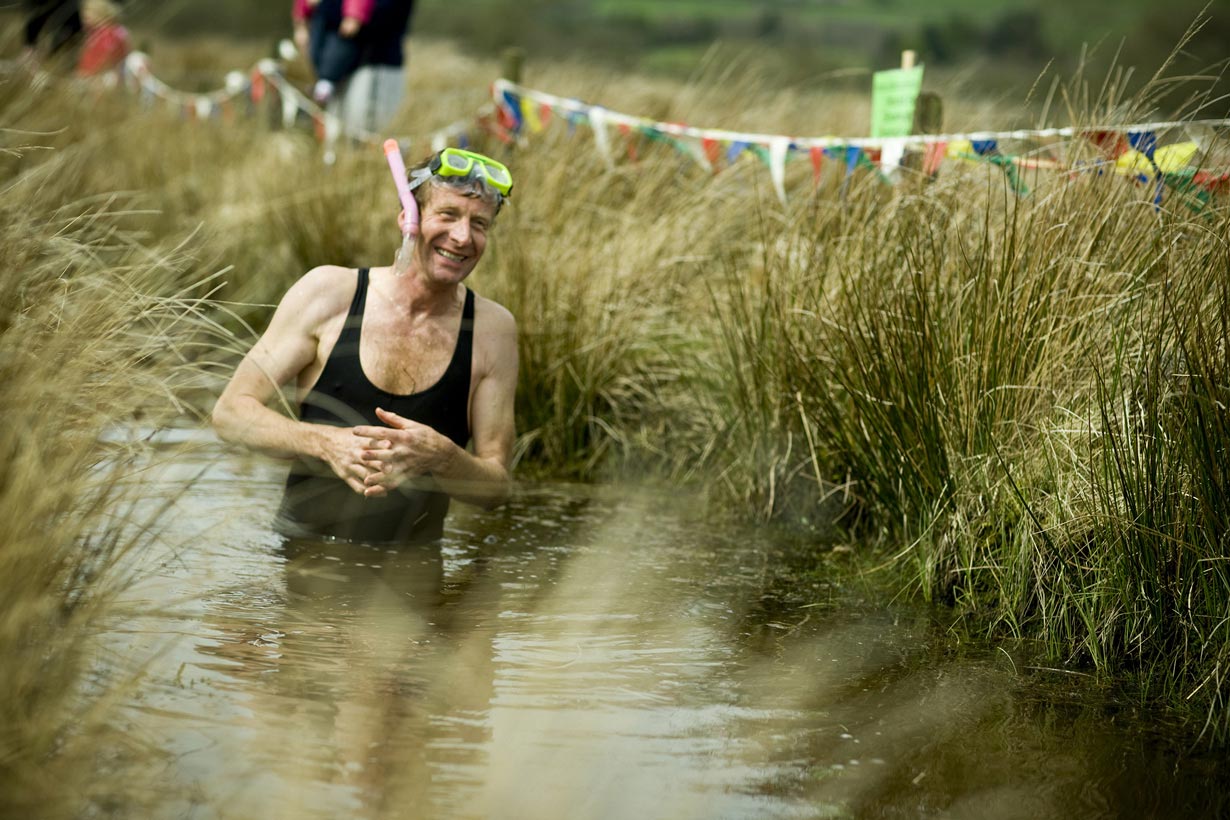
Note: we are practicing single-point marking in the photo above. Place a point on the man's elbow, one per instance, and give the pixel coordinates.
(491, 493)
(222, 419)
(503, 491)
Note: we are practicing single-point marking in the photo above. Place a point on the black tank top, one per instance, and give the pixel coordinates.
(318, 503)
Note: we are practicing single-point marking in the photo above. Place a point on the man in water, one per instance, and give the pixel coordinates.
(395, 369)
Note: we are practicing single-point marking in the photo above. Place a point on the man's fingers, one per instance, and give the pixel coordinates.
(378, 458)
(377, 479)
(392, 419)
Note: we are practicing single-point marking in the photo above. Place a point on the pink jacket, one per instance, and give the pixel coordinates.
(360, 10)
(104, 49)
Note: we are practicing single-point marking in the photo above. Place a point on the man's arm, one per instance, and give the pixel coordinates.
(242, 414)
(407, 449)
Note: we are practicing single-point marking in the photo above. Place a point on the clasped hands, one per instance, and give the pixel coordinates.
(374, 460)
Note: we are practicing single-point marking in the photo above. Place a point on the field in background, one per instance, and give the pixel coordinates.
(1016, 406)
(994, 47)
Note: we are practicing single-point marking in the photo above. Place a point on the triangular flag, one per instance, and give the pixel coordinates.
(258, 86)
(629, 140)
(891, 154)
(1134, 163)
(817, 162)
(779, 148)
(712, 151)
(510, 111)
(597, 121)
(1172, 158)
(290, 111)
(529, 115)
(333, 130)
(1143, 141)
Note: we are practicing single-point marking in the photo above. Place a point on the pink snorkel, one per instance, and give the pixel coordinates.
(410, 227)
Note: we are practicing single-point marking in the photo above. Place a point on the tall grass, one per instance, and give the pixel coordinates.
(1025, 399)
(97, 326)
(1018, 401)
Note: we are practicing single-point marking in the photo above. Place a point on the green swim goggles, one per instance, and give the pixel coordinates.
(462, 164)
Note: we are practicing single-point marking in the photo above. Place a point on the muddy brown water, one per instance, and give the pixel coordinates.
(588, 653)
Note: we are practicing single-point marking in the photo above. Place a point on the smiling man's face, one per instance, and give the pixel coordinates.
(452, 234)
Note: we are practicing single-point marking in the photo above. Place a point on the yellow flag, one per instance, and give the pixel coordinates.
(1175, 157)
(959, 149)
(1169, 158)
(1133, 162)
(529, 115)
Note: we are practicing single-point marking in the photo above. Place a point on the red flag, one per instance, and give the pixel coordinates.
(626, 130)
(1210, 181)
(817, 161)
(933, 156)
(1113, 143)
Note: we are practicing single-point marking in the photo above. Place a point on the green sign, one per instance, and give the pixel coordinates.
(893, 94)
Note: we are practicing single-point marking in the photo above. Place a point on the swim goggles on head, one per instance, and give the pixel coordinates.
(460, 163)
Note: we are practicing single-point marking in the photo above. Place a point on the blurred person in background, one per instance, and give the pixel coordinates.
(356, 49)
(59, 20)
(106, 44)
(329, 41)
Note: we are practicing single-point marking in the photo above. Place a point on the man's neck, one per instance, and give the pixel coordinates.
(415, 296)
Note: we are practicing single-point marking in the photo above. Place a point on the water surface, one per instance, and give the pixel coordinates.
(587, 653)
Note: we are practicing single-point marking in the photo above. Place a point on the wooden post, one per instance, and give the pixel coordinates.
(928, 116)
(514, 60)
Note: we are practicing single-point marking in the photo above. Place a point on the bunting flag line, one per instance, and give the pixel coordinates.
(1132, 151)
(1129, 150)
(513, 93)
(256, 86)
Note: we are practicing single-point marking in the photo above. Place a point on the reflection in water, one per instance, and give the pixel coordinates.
(591, 655)
(363, 679)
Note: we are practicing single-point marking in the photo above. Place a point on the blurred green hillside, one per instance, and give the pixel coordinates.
(997, 45)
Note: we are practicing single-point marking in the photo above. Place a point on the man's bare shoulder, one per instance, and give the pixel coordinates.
(320, 294)
(492, 318)
(495, 337)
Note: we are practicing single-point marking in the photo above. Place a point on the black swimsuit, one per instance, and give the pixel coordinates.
(318, 503)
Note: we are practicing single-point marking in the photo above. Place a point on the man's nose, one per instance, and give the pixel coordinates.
(460, 232)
